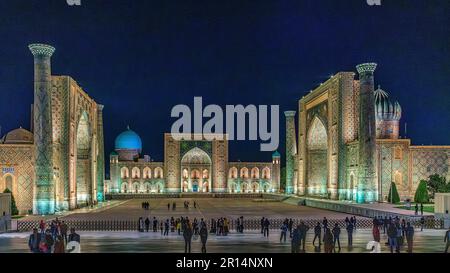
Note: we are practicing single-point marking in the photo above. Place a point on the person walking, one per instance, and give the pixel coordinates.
(187, 235)
(203, 237)
(168, 206)
(409, 236)
(336, 234)
(447, 239)
(161, 227)
(328, 241)
(284, 228)
(416, 209)
(34, 240)
(317, 234)
(350, 234)
(421, 208)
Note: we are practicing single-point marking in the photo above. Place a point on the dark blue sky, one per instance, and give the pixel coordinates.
(140, 58)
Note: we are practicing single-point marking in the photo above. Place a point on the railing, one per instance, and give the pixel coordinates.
(249, 224)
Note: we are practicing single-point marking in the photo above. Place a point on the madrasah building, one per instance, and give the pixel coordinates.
(59, 164)
(348, 147)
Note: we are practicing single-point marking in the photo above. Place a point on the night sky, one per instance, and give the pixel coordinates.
(140, 58)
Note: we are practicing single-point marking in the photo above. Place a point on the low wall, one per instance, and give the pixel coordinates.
(123, 196)
(350, 208)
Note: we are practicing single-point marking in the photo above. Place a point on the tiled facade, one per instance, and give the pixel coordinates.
(328, 161)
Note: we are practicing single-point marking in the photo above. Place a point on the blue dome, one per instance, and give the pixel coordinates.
(128, 140)
(276, 154)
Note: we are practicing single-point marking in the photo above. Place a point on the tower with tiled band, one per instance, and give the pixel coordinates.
(291, 150)
(367, 180)
(42, 126)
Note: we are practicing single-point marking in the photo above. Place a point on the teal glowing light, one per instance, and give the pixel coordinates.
(45, 207)
(100, 197)
(128, 140)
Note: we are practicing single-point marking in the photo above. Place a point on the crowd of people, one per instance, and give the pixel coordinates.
(52, 237)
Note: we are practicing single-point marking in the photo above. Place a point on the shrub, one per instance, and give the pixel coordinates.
(393, 196)
(421, 195)
(14, 210)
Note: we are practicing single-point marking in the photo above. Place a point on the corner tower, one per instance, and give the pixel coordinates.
(42, 127)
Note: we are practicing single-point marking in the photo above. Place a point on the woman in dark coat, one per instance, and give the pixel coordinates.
(203, 237)
(328, 241)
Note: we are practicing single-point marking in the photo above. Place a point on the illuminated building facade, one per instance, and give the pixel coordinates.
(59, 164)
(190, 165)
(349, 146)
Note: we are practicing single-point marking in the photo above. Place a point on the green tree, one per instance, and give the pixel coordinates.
(393, 196)
(436, 183)
(283, 179)
(421, 195)
(14, 210)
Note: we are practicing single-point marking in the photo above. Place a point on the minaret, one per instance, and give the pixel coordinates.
(44, 202)
(291, 150)
(276, 171)
(100, 156)
(367, 179)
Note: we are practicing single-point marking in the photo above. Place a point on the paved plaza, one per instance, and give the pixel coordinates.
(207, 208)
(429, 241)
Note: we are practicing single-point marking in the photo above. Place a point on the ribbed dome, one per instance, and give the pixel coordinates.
(276, 154)
(128, 140)
(18, 136)
(385, 108)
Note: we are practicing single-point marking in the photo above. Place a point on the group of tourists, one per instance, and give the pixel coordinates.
(145, 205)
(52, 237)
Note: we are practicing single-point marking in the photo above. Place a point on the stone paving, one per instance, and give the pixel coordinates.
(429, 241)
(207, 208)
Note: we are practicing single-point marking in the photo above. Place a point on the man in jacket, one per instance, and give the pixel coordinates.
(34, 240)
(203, 237)
(187, 235)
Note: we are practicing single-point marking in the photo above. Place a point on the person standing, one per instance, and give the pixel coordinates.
(59, 245)
(161, 227)
(447, 239)
(262, 225)
(421, 208)
(295, 242)
(325, 224)
(409, 236)
(155, 224)
(317, 234)
(392, 235)
(203, 237)
(187, 235)
(34, 240)
(328, 241)
(376, 233)
(350, 233)
(166, 228)
(168, 206)
(422, 223)
(290, 224)
(302, 232)
(416, 209)
(147, 224)
(64, 229)
(284, 229)
(385, 224)
(336, 234)
(266, 227)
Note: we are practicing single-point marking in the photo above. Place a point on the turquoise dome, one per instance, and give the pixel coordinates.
(128, 140)
(276, 154)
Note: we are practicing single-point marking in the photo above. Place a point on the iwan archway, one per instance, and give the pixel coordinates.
(317, 159)
(196, 171)
(84, 162)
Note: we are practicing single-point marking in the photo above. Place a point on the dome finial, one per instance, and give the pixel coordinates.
(379, 86)
(128, 127)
